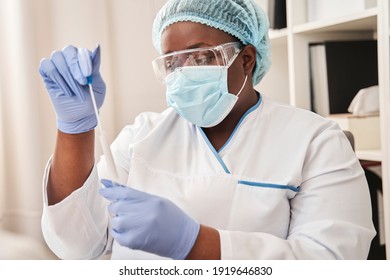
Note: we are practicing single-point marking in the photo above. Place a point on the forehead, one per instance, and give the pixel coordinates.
(186, 35)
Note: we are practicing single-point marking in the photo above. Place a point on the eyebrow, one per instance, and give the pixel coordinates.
(193, 46)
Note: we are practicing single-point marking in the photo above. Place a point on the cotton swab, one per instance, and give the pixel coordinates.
(85, 63)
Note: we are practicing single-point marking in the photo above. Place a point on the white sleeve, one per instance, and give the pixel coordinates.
(76, 227)
(330, 215)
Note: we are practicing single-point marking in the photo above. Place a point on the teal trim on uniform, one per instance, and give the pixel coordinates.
(214, 151)
(266, 185)
(250, 110)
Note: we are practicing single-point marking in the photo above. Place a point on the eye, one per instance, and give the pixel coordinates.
(202, 59)
(171, 64)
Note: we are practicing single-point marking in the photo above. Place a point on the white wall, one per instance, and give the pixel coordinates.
(133, 82)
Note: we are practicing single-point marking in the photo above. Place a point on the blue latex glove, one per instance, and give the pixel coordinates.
(149, 223)
(69, 91)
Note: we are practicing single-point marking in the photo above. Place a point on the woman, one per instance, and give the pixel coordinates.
(223, 173)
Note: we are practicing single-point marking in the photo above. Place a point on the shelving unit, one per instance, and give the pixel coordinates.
(288, 80)
(373, 155)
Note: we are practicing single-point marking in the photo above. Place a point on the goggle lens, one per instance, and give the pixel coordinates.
(222, 55)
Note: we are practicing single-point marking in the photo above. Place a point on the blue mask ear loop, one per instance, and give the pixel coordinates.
(246, 77)
(239, 92)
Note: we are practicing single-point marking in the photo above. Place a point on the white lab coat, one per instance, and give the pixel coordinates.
(286, 185)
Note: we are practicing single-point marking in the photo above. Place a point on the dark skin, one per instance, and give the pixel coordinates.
(73, 157)
(175, 38)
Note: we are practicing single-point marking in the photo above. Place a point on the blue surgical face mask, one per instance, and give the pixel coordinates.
(200, 94)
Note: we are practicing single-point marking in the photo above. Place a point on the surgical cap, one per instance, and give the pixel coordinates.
(243, 19)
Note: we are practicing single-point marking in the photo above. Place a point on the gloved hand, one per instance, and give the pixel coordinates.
(69, 91)
(148, 222)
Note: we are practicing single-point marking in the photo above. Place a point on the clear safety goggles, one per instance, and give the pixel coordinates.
(221, 55)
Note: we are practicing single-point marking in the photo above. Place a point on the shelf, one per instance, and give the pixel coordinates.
(275, 34)
(278, 36)
(362, 21)
(289, 76)
(372, 155)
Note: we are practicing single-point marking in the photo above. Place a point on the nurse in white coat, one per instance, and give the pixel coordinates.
(223, 173)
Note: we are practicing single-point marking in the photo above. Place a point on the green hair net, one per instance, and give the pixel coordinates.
(243, 19)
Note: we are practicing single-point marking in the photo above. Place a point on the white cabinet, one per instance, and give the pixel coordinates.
(288, 80)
